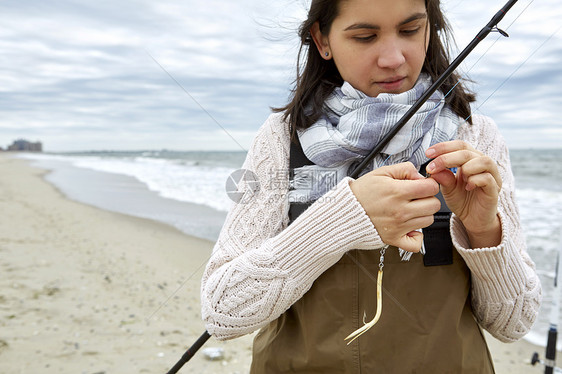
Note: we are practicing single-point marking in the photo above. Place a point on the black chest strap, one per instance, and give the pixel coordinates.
(437, 237)
(297, 159)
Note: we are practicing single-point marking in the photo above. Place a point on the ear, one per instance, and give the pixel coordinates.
(321, 41)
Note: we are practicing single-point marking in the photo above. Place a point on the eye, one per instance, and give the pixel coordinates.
(408, 32)
(364, 39)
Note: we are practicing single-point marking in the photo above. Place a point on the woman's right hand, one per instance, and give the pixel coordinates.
(399, 201)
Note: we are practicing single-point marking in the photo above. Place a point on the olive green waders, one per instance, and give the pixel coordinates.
(426, 326)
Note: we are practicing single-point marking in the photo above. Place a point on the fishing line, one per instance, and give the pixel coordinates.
(225, 131)
(176, 291)
(482, 34)
(484, 54)
(502, 34)
(465, 120)
(491, 45)
(194, 100)
(495, 41)
(490, 27)
(517, 69)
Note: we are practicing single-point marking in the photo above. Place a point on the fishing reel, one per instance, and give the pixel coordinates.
(549, 361)
(549, 365)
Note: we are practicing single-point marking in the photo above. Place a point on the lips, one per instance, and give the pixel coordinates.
(392, 80)
(391, 83)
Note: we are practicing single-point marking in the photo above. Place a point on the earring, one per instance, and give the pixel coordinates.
(327, 54)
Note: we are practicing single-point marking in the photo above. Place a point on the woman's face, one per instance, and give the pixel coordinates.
(378, 46)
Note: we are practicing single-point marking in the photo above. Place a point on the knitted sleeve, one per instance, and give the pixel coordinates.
(506, 290)
(260, 267)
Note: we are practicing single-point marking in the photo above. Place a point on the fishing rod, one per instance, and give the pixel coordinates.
(549, 361)
(190, 352)
(491, 26)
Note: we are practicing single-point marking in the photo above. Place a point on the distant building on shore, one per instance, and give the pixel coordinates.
(22, 145)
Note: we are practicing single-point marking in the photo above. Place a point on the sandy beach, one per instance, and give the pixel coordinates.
(89, 291)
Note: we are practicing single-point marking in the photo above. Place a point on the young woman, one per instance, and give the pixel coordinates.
(310, 283)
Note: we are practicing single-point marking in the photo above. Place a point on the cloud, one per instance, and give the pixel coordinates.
(80, 75)
(518, 79)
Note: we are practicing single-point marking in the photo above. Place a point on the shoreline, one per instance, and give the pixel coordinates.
(101, 189)
(89, 290)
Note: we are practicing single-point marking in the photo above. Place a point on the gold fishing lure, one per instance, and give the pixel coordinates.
(357, 333)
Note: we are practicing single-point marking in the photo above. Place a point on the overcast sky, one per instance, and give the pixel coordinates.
(81, 75)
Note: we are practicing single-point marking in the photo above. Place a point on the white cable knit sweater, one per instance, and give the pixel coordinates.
(260, 267)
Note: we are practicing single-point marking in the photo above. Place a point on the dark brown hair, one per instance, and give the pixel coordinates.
(319, 77)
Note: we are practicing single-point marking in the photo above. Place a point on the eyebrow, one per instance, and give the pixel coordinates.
(370, 26)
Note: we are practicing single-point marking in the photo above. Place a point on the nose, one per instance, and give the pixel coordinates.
(390, 54)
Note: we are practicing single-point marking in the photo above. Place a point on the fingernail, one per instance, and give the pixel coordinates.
(430, 152)
(430, 167)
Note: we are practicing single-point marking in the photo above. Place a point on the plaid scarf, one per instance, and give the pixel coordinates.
(353, 124)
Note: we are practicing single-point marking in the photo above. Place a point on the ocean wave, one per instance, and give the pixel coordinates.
(177, 179)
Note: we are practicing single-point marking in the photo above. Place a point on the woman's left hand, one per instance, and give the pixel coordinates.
(472, 194)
